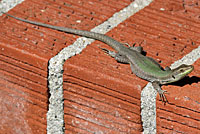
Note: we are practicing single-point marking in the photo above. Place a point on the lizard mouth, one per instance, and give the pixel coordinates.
(190, 70)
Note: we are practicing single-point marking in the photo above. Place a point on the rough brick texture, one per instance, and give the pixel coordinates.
(100, 94)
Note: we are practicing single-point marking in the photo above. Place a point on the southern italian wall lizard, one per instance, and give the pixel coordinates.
(142, 66)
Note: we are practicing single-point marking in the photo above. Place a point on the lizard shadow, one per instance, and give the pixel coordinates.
(185, 81)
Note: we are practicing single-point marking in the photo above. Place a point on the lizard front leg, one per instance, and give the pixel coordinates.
(156, 85)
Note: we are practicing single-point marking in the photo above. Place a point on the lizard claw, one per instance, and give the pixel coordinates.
(105, 50)
(162, 95)
(126, 44)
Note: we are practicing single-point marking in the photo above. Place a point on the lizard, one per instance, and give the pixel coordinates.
(142, 66)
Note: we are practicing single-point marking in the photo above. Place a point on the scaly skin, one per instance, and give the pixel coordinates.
(142, 66)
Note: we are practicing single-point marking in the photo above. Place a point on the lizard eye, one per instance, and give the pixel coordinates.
(173, 76)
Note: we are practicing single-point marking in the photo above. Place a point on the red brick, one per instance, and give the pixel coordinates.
(100, 94)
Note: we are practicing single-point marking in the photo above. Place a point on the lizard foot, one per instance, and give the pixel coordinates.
(161, 92)
(162, 95)
(111, 53)
(105, 50)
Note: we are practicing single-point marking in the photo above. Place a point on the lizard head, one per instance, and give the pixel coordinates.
(179, 73)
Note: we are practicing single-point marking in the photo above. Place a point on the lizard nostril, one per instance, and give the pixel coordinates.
(182, 70)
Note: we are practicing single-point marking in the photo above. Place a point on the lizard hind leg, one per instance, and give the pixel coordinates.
(117, 56)
(136, 48)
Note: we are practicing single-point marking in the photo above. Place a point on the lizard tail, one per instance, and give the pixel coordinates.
(97, 36)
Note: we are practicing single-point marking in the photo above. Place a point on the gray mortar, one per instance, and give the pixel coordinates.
(55, 115)
(6, 5)
(148, 109)
(188, 59)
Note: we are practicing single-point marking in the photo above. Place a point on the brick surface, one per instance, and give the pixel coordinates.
(166, 36)
(100, 94)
